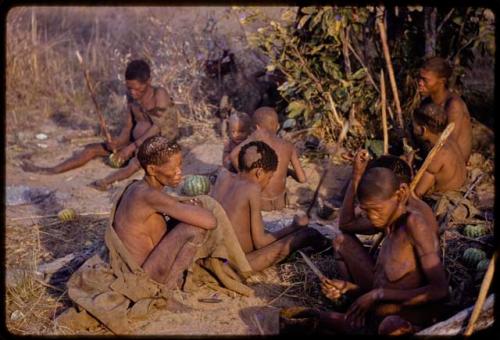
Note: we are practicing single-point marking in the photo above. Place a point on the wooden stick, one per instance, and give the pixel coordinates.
(430, 157)
(392, 79)
(384, 113)
(485, 285)
(102, 122)
(390, 70)
(342, 136)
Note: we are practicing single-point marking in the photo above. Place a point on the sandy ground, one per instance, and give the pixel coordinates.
(274, 288)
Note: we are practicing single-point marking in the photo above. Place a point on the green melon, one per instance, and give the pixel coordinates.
(474, 231)
(114, 161)
(67, 214)
(472, 256)
(482, 265)
(195, 185)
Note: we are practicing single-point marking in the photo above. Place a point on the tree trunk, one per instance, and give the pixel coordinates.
(430, 15)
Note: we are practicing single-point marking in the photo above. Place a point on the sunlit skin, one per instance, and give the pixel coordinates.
(140, 223)
(238, 131)
(408, 274)
(273, 196)
(447, 171)
(138, 89)
(239, 194)
(136, 128)
(167, 174)
(433, 86)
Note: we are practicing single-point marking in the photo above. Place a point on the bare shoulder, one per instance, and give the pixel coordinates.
(455, 105)
(162, 96)
(421, 222)
(251, 189)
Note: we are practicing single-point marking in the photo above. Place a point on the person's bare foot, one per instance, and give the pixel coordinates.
(30, 167)
(100, 185)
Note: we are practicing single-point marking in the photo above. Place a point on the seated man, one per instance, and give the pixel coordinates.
(408, 276)
(239, 194)
(150, 112)
(239, 127)
(266, 123)
(145, 213)
(448, 170)
(433, 84)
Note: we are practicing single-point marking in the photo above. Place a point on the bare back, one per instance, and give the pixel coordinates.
(138, 225)
(453, 172)
(457, 112)
(233, 194)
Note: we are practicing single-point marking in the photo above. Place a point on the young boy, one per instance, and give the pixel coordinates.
(433, 81)
(239, 194)
(266, 123)
(239, 127)
(150, 112)
(407, 278)
(448, 170)
(145, 213)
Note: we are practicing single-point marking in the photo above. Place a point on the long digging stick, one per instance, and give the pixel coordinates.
(102, 122)
(485, 285)
(430, 157)
(342, 136)
(384, 113)
(392, 79)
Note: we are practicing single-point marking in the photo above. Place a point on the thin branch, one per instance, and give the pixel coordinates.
(446, 18)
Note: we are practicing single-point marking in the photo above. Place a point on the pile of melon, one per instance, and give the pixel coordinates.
(475, 257)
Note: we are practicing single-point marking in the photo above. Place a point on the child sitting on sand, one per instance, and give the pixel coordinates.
(266, 122)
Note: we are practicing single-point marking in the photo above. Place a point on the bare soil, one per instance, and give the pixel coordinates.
(35, 236)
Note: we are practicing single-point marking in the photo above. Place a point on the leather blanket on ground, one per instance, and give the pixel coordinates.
(113, 289)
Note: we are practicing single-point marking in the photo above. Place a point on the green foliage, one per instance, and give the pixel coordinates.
(331, 58)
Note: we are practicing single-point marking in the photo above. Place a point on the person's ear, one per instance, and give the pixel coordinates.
(403, 193)
(258, 173)
(425, 132)
(151, 169)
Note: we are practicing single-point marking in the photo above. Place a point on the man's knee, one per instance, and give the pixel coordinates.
(194, 234)
(338, 242)
(395, 325)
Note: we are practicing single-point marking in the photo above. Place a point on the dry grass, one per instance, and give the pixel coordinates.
(33, 303)
(43, 74)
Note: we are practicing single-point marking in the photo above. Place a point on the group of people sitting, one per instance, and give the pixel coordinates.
(396, 292)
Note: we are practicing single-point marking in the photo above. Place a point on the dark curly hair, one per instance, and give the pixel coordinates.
(439, 66)
(431, 116)
(377, 183)
(138, 70)
(156, 150)
(264, 157)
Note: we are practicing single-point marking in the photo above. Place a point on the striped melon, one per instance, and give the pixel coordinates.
(114, 161)
(474, 231)
(482, 265)
(66, 215)
(195, 185)
(472, 256)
